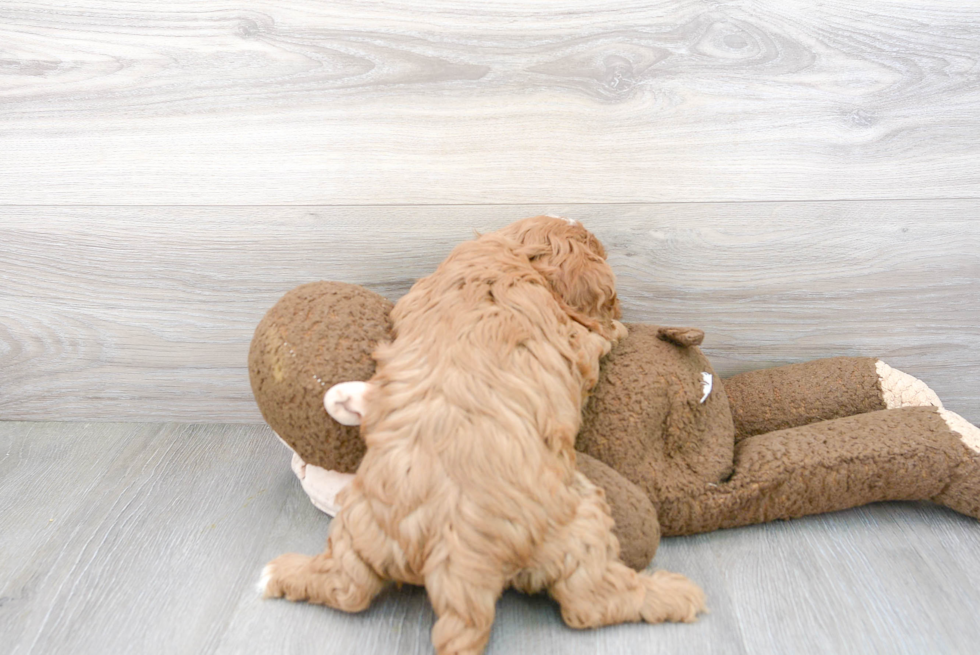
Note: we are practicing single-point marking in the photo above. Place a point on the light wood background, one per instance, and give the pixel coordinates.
(801, 180)
(116, 313)
(449, 101)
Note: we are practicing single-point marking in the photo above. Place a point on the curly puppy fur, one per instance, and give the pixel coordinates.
(469, 484)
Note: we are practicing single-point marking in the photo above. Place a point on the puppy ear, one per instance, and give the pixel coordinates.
(581, 280)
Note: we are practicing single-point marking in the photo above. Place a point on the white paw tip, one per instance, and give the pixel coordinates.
(264, 580)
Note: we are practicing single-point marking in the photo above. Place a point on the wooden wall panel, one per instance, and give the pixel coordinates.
(304, 102)
(140, 314)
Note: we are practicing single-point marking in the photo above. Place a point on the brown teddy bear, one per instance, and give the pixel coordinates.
(676, 449)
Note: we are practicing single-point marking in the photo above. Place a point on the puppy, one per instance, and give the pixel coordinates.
(468, 484)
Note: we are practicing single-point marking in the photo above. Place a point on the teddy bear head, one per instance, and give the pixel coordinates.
(316, 336)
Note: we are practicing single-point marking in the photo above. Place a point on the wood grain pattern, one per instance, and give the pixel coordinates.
(160, 531)
(263, 102)
(149, 153)
(125, 314)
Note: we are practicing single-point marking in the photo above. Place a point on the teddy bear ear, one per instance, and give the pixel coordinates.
(681, 336)
(345, 402)
(315, 336)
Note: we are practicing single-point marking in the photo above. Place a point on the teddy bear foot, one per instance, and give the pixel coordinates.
(968, 433)
(962, 494)
(321, 485)
(899, 389)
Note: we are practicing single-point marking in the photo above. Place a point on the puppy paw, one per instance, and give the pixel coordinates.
(284, 577)
(263, 585)
(671, 597)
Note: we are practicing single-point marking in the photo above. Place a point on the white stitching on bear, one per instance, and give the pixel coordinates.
(706, 383)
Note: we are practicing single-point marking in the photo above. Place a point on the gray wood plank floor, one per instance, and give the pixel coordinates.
(154, 544)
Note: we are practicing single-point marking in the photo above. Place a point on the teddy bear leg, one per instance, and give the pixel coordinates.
(800, 394)
(784, 397)
(962, 494)
(899, 389)
(910, 453)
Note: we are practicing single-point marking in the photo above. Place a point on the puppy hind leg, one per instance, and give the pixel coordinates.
(608, 592)
(618, 594)
(464, 600)
(594, 588)
(338, 577)
(670, 597)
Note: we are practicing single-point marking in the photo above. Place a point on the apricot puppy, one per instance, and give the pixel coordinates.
(468, 484)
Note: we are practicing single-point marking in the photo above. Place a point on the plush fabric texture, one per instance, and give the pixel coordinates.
(770, 444)
(317, 335)
(962, 493)
(899, 389)
(646, 421)
(799, 394)
(636, 519)
(898, 454)
(681, 336)
(321, 486)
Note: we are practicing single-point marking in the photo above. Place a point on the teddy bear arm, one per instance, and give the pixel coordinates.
(910, 453)
(635, 517)
(800, 394)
